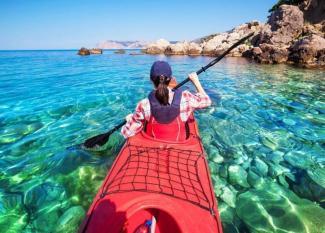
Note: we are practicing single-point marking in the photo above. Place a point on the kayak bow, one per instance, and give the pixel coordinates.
(154, 179)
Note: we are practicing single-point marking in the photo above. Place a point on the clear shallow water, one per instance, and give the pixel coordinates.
(264, 136)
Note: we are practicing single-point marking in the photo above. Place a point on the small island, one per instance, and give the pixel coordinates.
(85, 52)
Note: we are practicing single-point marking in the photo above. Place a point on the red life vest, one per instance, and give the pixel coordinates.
(165, 122)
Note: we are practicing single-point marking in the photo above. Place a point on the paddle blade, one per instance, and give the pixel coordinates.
(96, 141)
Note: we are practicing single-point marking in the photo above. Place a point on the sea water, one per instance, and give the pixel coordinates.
(264, 136)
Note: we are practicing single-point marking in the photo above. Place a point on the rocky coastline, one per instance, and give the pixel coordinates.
(293, 34)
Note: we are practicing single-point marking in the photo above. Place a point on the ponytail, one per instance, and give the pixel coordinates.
(162, 94)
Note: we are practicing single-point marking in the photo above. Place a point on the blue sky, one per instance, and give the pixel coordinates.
(64, 24)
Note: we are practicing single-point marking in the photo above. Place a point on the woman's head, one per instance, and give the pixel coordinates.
(160, 75)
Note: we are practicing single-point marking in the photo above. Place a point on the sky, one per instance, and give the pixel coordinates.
(71, 24)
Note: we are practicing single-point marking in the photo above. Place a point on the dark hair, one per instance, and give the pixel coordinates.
(162, 94)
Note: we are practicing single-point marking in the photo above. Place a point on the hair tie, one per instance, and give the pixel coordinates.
(161, 79)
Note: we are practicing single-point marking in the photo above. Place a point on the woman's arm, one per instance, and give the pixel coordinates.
(196, 82)
(135, 121)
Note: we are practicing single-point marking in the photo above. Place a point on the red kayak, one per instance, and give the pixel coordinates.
(158, 187)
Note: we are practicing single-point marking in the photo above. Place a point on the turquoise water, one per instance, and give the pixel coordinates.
(264, 136)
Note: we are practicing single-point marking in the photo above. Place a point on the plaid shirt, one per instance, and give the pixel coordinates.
(189, 103)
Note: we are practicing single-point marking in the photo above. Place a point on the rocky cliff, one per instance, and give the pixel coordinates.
(293, 34)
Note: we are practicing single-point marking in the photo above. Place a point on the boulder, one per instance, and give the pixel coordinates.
(311, 185)
(273, 208)
(83, 52)
(194, 49)
(269, 54)
(180, 48)
(314, 29)
(96, 51)
(221, 42)
(285, 24)
(314, 10)
(157, 47)
(308, 51)
(70, 220)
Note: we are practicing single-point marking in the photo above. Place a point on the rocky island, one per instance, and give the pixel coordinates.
(84, 51)
(293, 34)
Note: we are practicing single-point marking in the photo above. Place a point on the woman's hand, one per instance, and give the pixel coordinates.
(128, 117)
(193, 77)
(196, 82)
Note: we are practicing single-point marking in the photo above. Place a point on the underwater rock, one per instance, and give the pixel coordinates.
(229, 196)
(269, 141)
(310, 185)
(70, 220)
(46, 218)
(299, 159)
(229, 227)
(44, 195)
(318, 176)
(254, 179)
(282, 181)
(275, 157)
(226, 212)
(223, 171)
(218, 185)
(13, 216)
(276, 169)
(89, 180)
(13, 221)
(259, 166)
(275, 209)
(214, 155)
(237, 176)
(214, 167)
(16, 132)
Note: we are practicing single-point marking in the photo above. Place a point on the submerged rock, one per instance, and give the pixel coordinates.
(254, 179)
(237, 176)
(70, 220)
(226, 212)
(228, 195)
(299, 159)
(311, 185)
(43, 195)
(318, 176)
(274, 209)
(276, 170)
(259, 166)
(218, 185)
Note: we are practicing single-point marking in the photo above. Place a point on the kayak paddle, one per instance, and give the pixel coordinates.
(101, 139)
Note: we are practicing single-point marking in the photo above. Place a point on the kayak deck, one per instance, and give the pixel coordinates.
(167, 180)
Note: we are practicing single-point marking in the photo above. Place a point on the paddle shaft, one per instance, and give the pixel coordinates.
(104, 137)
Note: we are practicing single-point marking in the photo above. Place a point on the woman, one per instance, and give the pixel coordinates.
(164, 114)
